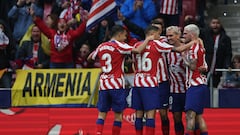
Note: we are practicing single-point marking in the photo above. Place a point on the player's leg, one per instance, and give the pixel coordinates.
(176, 106)
(151, 101)
(202, 125)
(117, 124)
(190, 124)
(202, 130)
(103, 105)
(165, 121)
(100, 122)
(150, 122)
(139, 122)
(178, 123)
(138, 106)
(119, 103)
(163, 110)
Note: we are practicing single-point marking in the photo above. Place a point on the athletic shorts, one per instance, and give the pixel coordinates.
(145, 98)
(112, 99)
(164, 89)
(177, 102)
(196, 98)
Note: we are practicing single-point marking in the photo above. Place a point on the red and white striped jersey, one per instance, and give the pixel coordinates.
(169, 7)
(163, 69)
(195, 78)
(146, 63)
(111, 56)
(177, 73)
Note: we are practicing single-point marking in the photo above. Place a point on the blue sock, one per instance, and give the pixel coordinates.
(100, 121)
(138, 124)
(196, 126)
(117, 123)
(150, 123)
(204, 133)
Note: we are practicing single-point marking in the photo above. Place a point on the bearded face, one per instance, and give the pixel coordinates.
(215, 25)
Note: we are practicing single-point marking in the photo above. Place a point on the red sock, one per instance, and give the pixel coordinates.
(139, 132)
(116, 130)
(99, 129)
(197, 132)
(165, 130)
(189, 132)
(180, 132)
(150, 130)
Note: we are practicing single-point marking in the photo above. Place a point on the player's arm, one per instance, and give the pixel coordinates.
(91, 56)
(202, 69)
(191, 63)
(183, 47)
(141, 47)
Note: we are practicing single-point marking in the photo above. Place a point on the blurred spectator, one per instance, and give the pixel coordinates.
(73, 12)
(139, 12)
(5, 6)
(70, 7)
(20, 15)
(61, 54)
(51, 21)
(201, 8)
(138, 30)
(100, 33)
(86, 4)
(189, 19)
(232, 79)
(32, 52)
(6, 53)
(218, 48)
(170, 11)
(81, 57)
(103, 31)
(50, 7)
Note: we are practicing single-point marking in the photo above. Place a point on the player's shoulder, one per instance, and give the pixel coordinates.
(138, 43)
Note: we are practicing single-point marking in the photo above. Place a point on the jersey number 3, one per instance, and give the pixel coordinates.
(108, 66)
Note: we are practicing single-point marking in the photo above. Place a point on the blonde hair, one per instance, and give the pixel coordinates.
(192, 28)
(175, 29)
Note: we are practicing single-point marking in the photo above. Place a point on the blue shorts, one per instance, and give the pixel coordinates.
(164, 88)
(146, 98)
(177, 102)
(112, 99)
(196, 98)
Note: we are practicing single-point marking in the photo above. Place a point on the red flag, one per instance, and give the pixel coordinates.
(100, 9)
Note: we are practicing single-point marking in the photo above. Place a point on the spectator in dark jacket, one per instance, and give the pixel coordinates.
(31, 53)
(218, 52)
(19, 14)
(6, 55)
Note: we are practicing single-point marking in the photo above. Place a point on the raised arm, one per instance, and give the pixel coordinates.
(184, 47)
(41, 25)
(79, 31)
(141, 47)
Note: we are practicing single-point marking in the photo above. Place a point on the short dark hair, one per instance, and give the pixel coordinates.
(117, 29)
(156, 22)
(150, 28)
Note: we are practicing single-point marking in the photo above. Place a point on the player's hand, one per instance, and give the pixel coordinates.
(202, 69)
(151, 37)
(21, 2)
